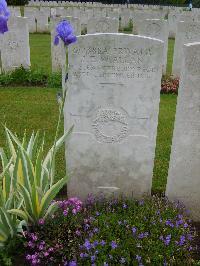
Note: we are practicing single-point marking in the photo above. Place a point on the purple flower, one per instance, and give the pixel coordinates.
(78, 233)
(141, 202)
(134, 230)
(102, 243)
(185, 225)
(93, 258)
(65, 212)
(182, 240)
(169, 223)
(41, 247)
(95, 243)
(28, 257)
(124, 206)
(46, 254)
(167, 240)
(4, 15)
(72, 263)
(41, 221)
(31, 244)
(122, 260)
(143, 235)
(96, 230)
(65, 32)
(113, 244)
(138, 258)
(97, 213)
(87, 244)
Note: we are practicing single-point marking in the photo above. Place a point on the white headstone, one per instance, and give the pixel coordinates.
(184, 169)
(15, 51)
(42, 21)
(97, 25)
(156, 28)
(29, 13)
(173, 18)
(113, 102)
(187, 32)
(125, 17)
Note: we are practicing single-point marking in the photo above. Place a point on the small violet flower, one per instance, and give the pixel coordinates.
(113, 244)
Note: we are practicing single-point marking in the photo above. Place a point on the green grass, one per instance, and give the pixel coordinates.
(31, 109)
(164, 139)
(40, 48)
(170, 56)
(36, 108)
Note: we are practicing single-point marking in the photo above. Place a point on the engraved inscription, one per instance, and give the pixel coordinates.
(110, 126)
(115, 63)
(13, 45)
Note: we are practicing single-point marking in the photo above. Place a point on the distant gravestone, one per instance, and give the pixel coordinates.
(113, 102)
(15, 11)
(156, 28)
(139, 16)
(58, 52)
(15, 51)
(102, 25)
(29, 13)
(42, 21)
(173, 18)
(187, 32)
(184, 170)
(125, 17)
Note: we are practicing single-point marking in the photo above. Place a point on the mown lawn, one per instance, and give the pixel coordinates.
(40, 48)
(36, 108)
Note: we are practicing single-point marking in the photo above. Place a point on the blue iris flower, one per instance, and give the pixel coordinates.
(4, 16)
(65, 32)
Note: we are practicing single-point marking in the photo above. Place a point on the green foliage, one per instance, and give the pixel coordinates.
(32, 175)
(120, 231)
(12, 251)
(27, 77)
(17, 2)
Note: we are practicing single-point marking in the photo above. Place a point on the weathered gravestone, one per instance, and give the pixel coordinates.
(156, 28)
(113, 102)
(29, 13)
(184, 170)
(173, 18)
(187, 32)
(42, 21)
(125, 18)
(139, 16)
(97, 25)
(15, 51)
(15, 11)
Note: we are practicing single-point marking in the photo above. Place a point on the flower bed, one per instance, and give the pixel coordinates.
(169, 85)
(112, 232)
